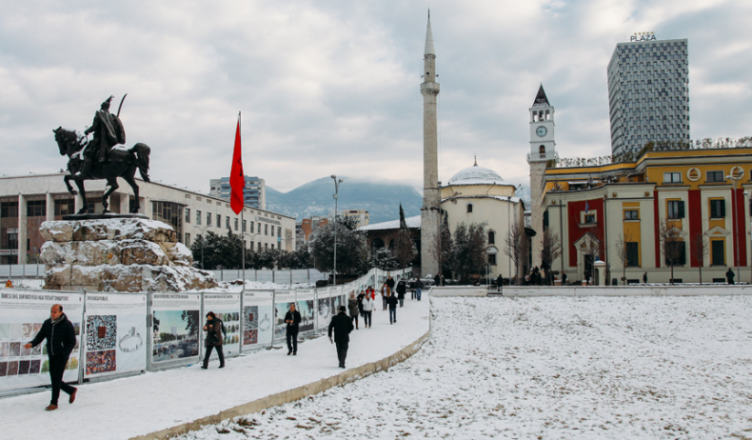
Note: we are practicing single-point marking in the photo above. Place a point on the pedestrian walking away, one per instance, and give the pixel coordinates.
(292, 318)
(401, 290)
(730, 276)
(392, 301)
(368, 305)
(390, 283)
(645, 278)
(360, 297)
(418, 289)
(385, 292)
(352, 305)
(215, 332)
(342, 326)
(61, 339)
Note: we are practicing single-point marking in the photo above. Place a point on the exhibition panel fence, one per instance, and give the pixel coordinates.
(121, 334)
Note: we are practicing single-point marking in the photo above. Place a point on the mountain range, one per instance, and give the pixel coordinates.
(381, 200)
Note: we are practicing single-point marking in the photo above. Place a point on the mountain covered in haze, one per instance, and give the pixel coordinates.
(381, 200)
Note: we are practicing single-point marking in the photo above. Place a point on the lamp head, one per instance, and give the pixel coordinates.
(333, 177)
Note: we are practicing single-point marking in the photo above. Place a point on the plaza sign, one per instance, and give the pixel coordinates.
(642, 36)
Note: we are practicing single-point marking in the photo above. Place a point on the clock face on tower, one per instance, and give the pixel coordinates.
(541, 131)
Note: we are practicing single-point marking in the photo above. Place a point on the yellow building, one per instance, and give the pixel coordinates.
(689, 206)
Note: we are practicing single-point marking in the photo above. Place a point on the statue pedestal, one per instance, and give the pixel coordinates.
(118, 255)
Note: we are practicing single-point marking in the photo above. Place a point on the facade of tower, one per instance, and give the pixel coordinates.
(648, 90)
(542, 150)
(429, 212)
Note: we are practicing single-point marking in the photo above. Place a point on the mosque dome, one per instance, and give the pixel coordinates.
(476, 175)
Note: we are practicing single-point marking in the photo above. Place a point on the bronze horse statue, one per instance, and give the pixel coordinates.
(122, 162)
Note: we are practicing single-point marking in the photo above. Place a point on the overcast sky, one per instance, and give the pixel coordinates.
(332, 87)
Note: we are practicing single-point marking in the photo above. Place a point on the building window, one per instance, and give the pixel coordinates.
(227, 223)
(677, 250)
(675, 209)
(492, 238)
(187, 240)
(492, 259)
(198, 217)
(633, 254)
(266, 229)
(631, 214)
(65, 207)
(259, 246)
(279, 231)
(236, 224)
(715, 176)
(219, 221)
(36, 208)
(469, 207)
(672, 178)
(251, 231)
(717, 252)
(187, 215)
(590, 218)
(718, 208)
(208, 218)
(266, 246)
(9, 209)
(245, 224)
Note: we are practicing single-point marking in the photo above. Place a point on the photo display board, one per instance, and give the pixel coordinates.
(226, 306)
(282, 301)
(176, 320)
(22, 314)
(325, 312)
(305, 300)
(115, 334)
(257, 318)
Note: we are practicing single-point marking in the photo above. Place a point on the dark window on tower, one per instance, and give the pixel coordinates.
(633, 254)
(492, 259)
(469, 207)
(491, 237)
(717, 253)
(718, 208)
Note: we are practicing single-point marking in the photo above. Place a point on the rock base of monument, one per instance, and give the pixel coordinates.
(118, 255)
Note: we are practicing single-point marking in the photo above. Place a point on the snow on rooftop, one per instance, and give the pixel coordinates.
(476, 175)
(412, 222)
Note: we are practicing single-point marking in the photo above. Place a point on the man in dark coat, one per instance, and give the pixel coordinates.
(730, 276)
(390, 283)
(292, 318)
(214, 328)
(418, 289)
(61, 339)
(392, 302)
(342, 326)
(401, 290)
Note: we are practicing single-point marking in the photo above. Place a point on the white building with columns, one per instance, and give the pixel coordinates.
(27, 201)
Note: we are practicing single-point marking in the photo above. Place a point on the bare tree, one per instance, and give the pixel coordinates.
(441, 249)
(515, 246)
(700, 249)
(622, 252)
(671, 240)
(550, 251)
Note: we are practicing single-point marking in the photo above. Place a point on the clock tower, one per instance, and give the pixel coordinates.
(542, 150)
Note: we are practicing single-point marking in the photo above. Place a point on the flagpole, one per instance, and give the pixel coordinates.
(242, 221)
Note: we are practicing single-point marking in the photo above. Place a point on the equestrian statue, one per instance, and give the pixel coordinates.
(103, 157)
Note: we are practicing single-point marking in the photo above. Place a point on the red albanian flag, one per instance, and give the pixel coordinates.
(237, 178)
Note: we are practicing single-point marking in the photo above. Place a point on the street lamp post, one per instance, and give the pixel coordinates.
(336, 199)
(203, 238)
(735, 224)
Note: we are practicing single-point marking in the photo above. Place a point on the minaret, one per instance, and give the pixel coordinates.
(429, 213)
(542, 152)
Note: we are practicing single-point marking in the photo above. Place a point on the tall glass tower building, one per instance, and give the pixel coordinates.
(648, 91)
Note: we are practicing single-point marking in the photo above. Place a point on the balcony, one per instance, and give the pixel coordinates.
(539, 157)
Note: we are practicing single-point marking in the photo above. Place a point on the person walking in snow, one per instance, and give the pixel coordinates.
(385, 292)
(392, 301)
(401, 290)
(418, 289)
(214, 327)
(292, 318)
(352, 306)
(368, 306)
(342, 326)
(730, 276)
(390, 283)
(61, 339)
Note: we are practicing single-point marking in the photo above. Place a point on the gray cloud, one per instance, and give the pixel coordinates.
(333, 87)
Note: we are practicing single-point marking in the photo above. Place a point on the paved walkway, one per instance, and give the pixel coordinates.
(128, 407)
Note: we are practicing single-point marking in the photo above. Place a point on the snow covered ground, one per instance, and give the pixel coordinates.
(139, 405)
(546, 367)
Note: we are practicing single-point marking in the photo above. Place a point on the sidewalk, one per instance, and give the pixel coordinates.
(129, 407)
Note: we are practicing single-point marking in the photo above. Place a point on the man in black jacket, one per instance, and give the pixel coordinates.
(292, 318)
(61, 339)
(392, 302)
(342, 326)
(401, 290)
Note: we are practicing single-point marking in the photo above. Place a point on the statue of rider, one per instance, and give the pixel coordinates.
(108, 132)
